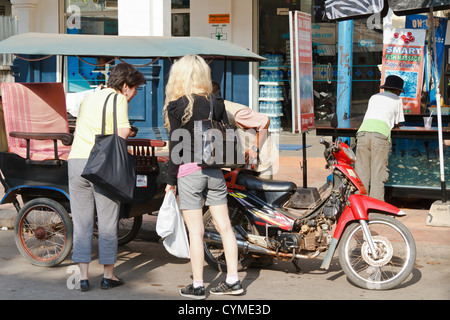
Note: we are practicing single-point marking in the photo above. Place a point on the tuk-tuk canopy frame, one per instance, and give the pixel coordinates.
(48, 44)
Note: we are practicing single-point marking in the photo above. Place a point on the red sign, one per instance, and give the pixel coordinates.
(219, 18)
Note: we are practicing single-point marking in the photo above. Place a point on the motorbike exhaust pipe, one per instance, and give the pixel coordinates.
(245, 246)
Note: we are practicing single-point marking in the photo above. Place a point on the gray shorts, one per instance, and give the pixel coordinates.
(205, 183)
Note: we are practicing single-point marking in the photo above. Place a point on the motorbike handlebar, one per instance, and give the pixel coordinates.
(333, 147)
(324, 142)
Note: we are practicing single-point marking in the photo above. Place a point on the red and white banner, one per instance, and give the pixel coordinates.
(301, 71)
(403, 56)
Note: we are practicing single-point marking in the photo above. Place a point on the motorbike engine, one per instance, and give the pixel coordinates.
(289, 242)
(331, 208)
(295, 242)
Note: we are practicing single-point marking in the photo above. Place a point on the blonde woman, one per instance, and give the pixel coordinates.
(187, 100)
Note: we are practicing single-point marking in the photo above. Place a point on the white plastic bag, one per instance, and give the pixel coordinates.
(170, 226)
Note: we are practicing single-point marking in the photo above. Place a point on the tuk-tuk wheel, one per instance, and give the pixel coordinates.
(43, 232)
(128, 229)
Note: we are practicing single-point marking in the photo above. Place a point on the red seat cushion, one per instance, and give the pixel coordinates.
(35, 107)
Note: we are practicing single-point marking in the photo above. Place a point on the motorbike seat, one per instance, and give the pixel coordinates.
(265, 185)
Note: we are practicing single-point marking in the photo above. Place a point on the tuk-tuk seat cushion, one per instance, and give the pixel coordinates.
(35, 108)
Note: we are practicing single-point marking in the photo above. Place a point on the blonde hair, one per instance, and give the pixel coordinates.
(188, 76)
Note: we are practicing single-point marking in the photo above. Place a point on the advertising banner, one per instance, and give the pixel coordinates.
(403, 55)
(302, 71)
(417, 21)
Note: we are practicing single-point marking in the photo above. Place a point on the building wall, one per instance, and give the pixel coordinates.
(36, 16)
(144, 17)
(239, 76)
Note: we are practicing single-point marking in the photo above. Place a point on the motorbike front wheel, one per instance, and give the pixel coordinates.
(396, 253)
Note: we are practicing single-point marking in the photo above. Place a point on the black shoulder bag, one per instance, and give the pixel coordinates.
(215, 143)
(110, 166)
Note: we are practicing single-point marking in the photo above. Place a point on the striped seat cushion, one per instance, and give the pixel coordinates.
(36, 108)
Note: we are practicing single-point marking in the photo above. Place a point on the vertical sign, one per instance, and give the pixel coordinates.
(403, 55)
(302, 71)
(417, 21)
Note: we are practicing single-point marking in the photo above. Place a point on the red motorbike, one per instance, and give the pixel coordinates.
(376, 251)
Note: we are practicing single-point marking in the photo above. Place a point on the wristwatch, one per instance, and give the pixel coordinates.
(255, 148)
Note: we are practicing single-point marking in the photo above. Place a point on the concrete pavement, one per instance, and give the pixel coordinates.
(151, 273)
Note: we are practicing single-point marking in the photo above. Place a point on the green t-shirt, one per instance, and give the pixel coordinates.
(375, 125)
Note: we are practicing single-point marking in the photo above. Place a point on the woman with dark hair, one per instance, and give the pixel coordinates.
(85, 198)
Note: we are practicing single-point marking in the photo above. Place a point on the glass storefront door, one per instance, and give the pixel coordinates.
(274, 43)
(274, 74)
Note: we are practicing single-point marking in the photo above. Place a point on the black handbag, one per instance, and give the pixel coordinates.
(216, 144)
(110, 166)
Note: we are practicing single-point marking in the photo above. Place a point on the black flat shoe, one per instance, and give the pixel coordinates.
(84, 285)
(110, 283)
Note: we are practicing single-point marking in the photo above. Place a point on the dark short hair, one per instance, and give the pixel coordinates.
(216, 89)
(125, 73)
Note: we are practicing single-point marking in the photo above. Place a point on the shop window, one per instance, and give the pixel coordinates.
(181, 4)
(100, 17)
(180, 24)
(274, 74)
(91, 16)
(367, 57)
(94, 17)
(181, 18)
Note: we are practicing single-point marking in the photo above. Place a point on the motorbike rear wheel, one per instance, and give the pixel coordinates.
(395, 248)
(214, 253)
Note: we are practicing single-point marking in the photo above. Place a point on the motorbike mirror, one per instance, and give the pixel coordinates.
(334, 121)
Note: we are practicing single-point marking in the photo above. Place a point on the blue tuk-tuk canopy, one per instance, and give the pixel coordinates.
(123, 46)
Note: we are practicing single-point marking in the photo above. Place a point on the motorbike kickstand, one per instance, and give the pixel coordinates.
(297, 267)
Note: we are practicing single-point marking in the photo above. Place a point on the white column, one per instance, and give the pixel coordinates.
(25, 10)
(145, 18)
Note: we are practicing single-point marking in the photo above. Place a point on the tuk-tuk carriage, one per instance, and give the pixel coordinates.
(34, 164)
